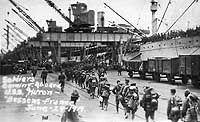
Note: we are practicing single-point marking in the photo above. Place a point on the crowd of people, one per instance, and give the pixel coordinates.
(173, 34)
(127, 94)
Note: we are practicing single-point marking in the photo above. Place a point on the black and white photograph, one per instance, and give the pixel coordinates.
(99, 61)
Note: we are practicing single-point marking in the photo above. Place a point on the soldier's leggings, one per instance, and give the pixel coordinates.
(117, 103)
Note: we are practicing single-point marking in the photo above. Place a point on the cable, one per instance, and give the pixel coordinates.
(143, 34)
(164, 14)
(26, 20)
(195, 50)
(181, 15)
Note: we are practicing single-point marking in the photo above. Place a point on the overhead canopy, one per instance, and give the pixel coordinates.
(132, 57)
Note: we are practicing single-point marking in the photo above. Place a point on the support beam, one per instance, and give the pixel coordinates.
(59, 52)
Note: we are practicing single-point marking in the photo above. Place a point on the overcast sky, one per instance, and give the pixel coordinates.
(132, 10)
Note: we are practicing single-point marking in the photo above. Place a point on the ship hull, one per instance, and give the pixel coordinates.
(171, 48)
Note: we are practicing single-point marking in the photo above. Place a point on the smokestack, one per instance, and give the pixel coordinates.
(100, 18)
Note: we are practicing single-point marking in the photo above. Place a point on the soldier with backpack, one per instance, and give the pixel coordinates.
(92, 85)
(149, 103)
(132, 101)
(105, 95)
(191, 109)
(173, 109)
(116, 91)
(122, 93)
(61, 79)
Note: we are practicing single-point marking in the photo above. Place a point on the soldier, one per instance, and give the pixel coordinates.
(61, 79)
(71, 113)
(34, 71)
(105, 95)
(74, 96)
(116, 91)
(190, 110)
(101, 84)
(122, 95)
(173, 109)
(132, 101)
(119, 70)
(150, 103)
(92, 85)
(44, 75)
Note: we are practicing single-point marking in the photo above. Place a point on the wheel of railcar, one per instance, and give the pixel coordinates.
(130, 73)
(156, 77)
(196, 82)
(170, 79)
(142, 75)
(184, 80)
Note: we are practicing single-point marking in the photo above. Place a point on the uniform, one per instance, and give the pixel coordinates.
(132, 101)
(44, 76)
(116, 91)
(61, 79)
(105, 95)
(150, 103)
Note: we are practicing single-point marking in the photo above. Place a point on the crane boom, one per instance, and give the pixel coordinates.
(51, 4)
(17, 34)
(26, 21)
(26, 15)
(18, 29)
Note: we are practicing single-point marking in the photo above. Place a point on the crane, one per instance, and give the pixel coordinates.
(27, 16)
(18, 29)
(51, 4)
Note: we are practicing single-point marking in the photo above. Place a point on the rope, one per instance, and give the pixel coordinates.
(164, 15)
(181, 15)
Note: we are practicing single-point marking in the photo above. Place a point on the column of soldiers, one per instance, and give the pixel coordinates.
(127, 95)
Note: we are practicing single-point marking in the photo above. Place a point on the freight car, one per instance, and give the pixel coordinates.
(185, 67)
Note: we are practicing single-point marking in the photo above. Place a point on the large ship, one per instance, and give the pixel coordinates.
(172, 55)
(171, 48)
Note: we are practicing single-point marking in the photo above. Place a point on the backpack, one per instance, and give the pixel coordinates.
(125, 90)
(105, 93)
(133, 101)
(149, 103)
(175, 105)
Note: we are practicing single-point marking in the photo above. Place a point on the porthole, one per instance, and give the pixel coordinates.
(179, 42)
